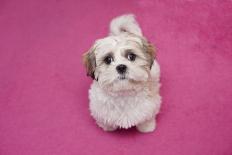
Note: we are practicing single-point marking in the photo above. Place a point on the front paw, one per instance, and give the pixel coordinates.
(109, 128)
(106, 127)
(147, 126)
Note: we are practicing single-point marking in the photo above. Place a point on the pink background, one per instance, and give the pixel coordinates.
(43, 84)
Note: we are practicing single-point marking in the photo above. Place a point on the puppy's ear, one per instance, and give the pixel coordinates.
(150, 52)
(89, 61)
(125, 24)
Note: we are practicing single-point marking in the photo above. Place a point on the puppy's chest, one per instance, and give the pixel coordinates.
(126, 103)
(123, 111)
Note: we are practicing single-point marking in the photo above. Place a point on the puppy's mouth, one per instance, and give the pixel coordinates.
(122, 77)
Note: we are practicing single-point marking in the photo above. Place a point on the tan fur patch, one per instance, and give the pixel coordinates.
(89, 61)
(149, 51)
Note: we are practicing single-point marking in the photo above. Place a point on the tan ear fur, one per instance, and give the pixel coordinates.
(149, 51)
(89, 61)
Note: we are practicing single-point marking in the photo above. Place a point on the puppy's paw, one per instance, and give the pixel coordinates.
(107, 127)
(146, 127)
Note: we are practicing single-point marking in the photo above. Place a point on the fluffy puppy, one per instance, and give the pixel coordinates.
(125, 90)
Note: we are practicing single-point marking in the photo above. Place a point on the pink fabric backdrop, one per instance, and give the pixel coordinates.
(43, 84)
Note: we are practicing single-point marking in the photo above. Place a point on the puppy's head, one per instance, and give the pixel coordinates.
(123, 59)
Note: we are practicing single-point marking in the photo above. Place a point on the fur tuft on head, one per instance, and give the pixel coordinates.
(125, 23)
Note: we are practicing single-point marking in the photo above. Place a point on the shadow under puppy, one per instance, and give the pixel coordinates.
(125, 90)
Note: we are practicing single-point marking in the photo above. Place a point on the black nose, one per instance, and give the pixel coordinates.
(121, 69)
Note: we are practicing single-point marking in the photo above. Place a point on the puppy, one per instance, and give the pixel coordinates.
(125, 90)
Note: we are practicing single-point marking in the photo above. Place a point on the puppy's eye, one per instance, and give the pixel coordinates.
(108, 59)
(131, 56)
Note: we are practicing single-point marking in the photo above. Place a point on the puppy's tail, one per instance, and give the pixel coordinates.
(123, 24)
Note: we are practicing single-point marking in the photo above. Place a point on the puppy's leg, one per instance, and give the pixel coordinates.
(147, 126)
(106, 127)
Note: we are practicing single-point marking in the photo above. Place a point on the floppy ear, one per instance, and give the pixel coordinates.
(90, 62)
(150, 52)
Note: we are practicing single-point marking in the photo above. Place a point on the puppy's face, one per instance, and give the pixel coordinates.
(120, 62)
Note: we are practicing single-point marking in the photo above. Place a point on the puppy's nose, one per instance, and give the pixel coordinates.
(121, 69)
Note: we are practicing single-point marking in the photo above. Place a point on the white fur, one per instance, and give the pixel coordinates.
(134, 101)
(124, 110)
(126, 23)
